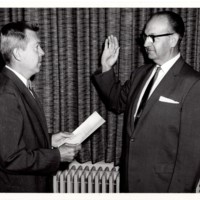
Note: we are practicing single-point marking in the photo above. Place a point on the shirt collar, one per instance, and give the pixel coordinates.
(22, 78)
(166, 66)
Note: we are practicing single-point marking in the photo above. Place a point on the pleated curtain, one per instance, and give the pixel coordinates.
(72, 39)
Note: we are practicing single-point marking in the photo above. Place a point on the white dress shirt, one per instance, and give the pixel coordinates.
(163, 71)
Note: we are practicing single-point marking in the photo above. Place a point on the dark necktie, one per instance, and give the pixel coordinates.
(146, 95)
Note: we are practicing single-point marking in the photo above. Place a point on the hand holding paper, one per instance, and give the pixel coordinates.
(58, 138)
(68, 152)
(93, 122)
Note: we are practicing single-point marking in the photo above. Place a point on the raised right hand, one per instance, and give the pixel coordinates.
(110, 53)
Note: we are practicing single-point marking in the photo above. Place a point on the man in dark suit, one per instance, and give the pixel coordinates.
(27, 159)
(161, 146)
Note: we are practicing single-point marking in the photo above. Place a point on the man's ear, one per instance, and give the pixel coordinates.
(17, 54)
(174, 40)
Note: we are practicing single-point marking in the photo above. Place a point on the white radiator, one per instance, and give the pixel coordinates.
(87, 178)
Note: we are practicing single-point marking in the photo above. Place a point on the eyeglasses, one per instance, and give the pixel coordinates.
(152, 37)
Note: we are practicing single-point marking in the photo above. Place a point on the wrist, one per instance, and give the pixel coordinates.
(105, 68)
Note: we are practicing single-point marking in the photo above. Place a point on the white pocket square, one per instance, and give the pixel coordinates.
(167, 100)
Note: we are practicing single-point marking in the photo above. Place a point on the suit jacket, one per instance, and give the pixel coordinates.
(161, 154)
(27, 162)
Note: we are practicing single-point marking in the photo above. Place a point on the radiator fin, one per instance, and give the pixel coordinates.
(87, 178)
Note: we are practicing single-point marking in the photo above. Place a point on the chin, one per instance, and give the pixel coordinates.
(38, 68)
(151, 56)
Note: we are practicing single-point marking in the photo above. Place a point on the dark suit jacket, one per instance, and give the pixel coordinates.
(161, 154)
(27, 161)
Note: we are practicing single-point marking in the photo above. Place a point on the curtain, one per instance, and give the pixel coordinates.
(72, 39)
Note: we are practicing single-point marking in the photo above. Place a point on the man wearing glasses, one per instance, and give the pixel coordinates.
(161, 146)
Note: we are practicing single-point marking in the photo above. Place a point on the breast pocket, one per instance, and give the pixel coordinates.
(167, 113)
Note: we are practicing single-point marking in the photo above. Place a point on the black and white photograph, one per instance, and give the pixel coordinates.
(99, 100)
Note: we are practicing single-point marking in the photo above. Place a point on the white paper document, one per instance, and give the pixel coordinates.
(93, 122)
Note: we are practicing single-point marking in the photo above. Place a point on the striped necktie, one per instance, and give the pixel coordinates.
(29, 86)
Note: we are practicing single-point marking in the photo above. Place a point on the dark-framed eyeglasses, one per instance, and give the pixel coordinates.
(152, 37)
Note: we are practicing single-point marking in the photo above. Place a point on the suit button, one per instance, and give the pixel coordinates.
(132, 139)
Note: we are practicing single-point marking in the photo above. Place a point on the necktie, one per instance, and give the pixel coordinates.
(30, 88)
(146, 95)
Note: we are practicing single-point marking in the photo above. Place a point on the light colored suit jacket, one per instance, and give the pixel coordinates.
(27, 161)
(161, 154)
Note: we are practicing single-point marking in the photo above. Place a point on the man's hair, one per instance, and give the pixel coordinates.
(13, 36)
(174, 20)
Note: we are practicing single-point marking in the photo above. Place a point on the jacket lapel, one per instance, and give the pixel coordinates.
(164, 87)
(32, 102)
(139, 81)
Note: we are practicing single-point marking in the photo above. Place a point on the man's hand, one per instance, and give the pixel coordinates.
(68, 152)
(110, 53)
(58, 138)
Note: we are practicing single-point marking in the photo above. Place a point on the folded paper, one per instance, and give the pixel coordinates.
(93, 122)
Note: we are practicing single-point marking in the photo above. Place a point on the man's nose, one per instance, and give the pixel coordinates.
(41, 52)
(148, 41)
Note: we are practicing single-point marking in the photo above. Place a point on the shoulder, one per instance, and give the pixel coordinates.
(144, 68)
(191, 79)
(10, 100)
(189, 73)
(141, 71)
(191, 69)
(6, 86)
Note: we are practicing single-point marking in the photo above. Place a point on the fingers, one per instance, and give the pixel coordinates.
(106, 44)
(74, 147)
(69, 151)
(65, 134)
(116, 53)
(116, 44)
(112, 43)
